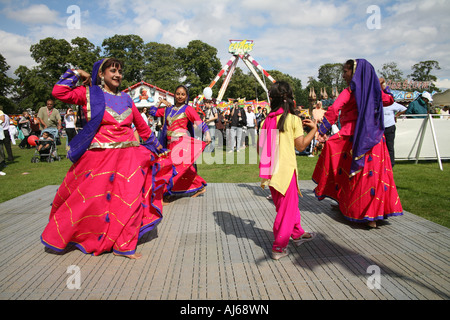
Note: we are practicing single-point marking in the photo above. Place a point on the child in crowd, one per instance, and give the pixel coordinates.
(280, 132)
(44, 142)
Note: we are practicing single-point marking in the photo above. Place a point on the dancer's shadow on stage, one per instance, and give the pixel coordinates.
(148, 236)
(311, 255)
(244, 229)
(308, 202)
(255, 189)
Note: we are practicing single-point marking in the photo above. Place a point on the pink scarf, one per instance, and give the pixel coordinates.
(268, 145)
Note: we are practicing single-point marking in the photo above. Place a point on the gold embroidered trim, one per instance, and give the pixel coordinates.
(176, 117)
(114, 145)
(176, 134)
(88, 104)
(119, 117)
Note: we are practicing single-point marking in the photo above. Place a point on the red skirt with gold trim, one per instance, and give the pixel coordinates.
(108, 200)
(184, 152)
(368, 195)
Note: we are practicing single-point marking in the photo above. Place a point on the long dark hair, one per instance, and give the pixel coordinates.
(281, 96)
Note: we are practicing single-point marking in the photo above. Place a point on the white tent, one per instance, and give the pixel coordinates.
(442, 98)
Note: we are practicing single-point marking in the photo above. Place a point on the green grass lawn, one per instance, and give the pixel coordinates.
(423, 187)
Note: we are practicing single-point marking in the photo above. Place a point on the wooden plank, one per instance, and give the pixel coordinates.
(217, 246)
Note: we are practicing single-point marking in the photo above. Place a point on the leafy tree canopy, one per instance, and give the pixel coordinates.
(165, 66)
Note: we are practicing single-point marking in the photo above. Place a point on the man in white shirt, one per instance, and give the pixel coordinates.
(211, 116)
(7, 139)
(2, 137)
(251, 125)
(390, 118)
(145, 115)
(70, 122)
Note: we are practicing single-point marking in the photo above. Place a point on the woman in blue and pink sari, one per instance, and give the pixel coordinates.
(112, 194)
(354, 167)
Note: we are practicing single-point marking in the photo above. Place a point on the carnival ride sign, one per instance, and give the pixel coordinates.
(408, 85)
(240, 47)
(240, 50)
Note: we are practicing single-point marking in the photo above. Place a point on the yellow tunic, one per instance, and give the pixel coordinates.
(286, 164)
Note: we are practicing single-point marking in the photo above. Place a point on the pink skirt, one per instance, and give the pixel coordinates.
(108, 200)
(369, 195)
(185, 178)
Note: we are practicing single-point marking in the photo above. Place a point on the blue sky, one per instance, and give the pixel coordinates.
(293, 36)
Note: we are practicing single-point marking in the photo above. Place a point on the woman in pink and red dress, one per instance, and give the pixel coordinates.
(112, 194)
(354, 167)
(177, 135)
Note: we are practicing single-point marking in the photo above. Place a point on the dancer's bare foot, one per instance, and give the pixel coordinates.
(199, 192)
(372, 224)
(166, 200)
(135, 256)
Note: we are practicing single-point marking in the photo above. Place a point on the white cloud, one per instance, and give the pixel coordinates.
(179, 34)
(309, 14)
(148, 29)
(34, 14)
(443, 83)
(293, 36)
(114, 8)
(16, 51)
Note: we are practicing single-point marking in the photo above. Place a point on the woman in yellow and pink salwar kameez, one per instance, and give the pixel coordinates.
(281, 131)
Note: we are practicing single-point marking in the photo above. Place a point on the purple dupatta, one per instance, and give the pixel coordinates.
(369, 128)
(81, 142)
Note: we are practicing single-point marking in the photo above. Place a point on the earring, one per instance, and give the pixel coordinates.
(102, 81)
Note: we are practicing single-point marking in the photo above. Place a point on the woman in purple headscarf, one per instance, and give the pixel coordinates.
(354, 167)
(112, 194)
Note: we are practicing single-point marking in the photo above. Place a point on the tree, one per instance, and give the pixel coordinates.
(244, 85)
(129, 49)
(51, 54)
(200, 65)
(5, 86)
(422, 72)
(34, 86)
(161, 66)
(390, 71)
(241, 85)
(330, 75)
(83, 54)
(318, 86)
(296, 85)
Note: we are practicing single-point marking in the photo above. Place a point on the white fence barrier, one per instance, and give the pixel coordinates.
(422, 139)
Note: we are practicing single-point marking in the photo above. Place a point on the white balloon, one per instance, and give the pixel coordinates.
(207, 92)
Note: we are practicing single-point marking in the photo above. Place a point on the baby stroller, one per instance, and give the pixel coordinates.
(46, 149)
